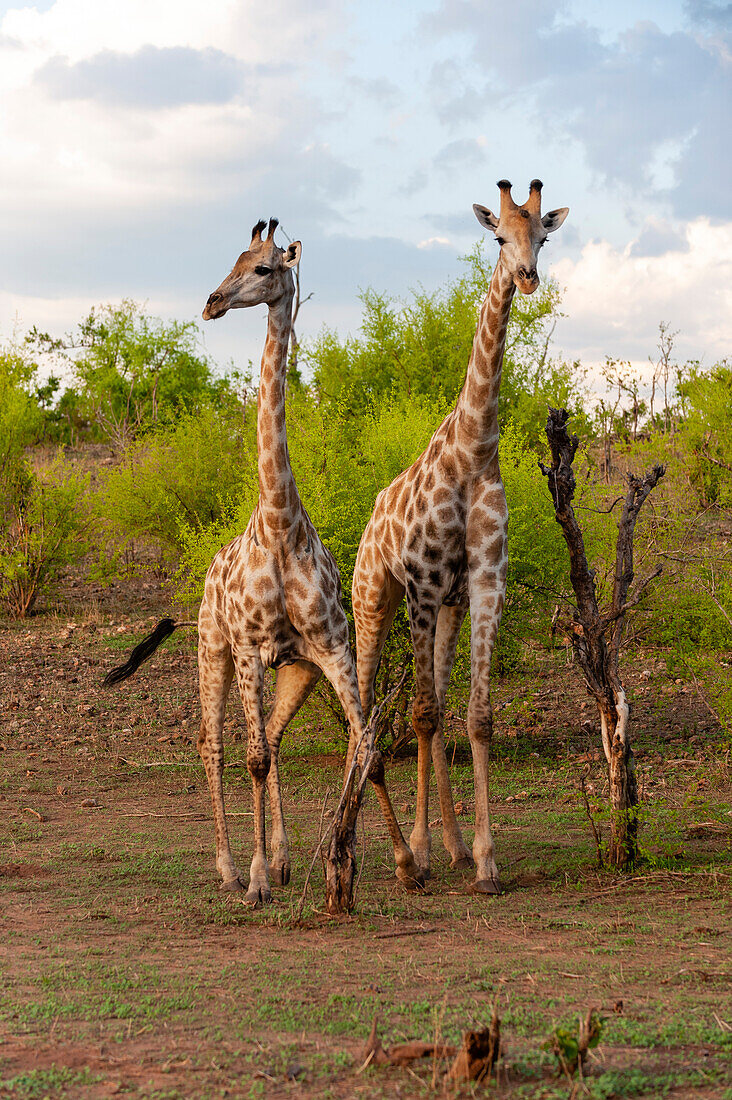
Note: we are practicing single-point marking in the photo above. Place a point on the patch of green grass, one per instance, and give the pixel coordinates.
(43, 1083)
(93, 990)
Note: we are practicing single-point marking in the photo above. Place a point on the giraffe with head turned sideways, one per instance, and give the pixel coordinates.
(439, 534)
(272, 598)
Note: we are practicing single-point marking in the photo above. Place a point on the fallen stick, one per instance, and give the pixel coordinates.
(401, 1054)
(405, 932)
(192, 815)
(36, 813)
(163, 763)
(175, 763)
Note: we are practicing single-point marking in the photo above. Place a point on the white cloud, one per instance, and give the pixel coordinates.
(647, 108)
(253, 31)
(614, 299)
(431, 242)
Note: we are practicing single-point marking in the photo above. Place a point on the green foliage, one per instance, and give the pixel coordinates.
(692, 619)
(20, 417)
(180, 479)
(130, 372)
(423, 347)
(43, 520)
(570, 1044)
(707, 429)
(342, 464)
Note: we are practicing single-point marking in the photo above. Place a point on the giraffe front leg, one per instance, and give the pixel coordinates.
(485, 610)
(294, 684)
(216, 671)
(250, 674)
(425, 715)
(449, 622)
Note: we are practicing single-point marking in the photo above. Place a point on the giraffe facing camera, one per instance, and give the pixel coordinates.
(439, 534)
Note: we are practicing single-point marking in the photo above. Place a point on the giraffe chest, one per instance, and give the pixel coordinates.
(445, 539)
(281, 603)
(245, 592)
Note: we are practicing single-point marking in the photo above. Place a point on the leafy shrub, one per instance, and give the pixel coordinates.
(20, 417)
(131, 371)
(423, 346)
(177, 481)
(707, 400)
(43, 520)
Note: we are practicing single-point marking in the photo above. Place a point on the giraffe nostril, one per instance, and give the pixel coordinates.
(215, 297)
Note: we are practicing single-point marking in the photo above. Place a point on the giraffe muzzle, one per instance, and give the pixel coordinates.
(527, 281)
(213, 309)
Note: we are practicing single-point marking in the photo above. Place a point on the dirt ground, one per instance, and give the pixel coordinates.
(125, 972)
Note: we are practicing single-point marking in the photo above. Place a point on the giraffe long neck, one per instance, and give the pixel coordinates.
(477, 406)
(278, 495)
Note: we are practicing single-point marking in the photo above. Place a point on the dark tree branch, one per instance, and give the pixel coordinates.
(587, 632)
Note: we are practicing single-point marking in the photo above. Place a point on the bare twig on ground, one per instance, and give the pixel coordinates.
(597, 834)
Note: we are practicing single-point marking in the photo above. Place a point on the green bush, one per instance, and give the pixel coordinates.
(43, 522)
(131, 372)
(21, 420)
(423, 346)
(179, 480)
(707, 400)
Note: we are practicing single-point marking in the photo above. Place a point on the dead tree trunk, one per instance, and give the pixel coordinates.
(340, 863)
(596, 636)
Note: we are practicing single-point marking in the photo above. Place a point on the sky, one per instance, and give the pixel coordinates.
(142, 140)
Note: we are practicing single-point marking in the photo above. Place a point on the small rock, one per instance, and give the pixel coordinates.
(88, 802)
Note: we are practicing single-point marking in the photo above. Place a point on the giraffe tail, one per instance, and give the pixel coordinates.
(143, 651)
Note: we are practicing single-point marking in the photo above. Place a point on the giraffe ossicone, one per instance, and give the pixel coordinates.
(438, 534)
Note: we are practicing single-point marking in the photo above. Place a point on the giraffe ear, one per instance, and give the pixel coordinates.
(554, 219)
(291, 257)
(486, 217)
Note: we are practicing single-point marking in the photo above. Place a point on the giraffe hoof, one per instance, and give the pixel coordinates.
(231, 886)
(461, 863)
(411, 881)
(280, 875)
(257, 896)
(489, 886)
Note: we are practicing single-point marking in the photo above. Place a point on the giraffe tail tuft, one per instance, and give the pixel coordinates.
(141, 652)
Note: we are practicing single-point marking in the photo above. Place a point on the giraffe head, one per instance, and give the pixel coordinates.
(521, 231)
(261, 274)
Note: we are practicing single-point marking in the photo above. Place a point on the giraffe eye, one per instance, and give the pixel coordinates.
(260, 269)
(501, 241)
